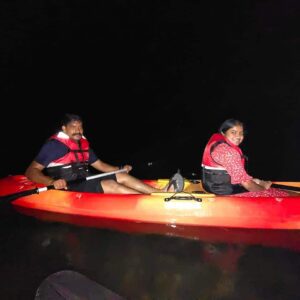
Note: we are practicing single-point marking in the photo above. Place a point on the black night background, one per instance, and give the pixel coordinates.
(152, 81)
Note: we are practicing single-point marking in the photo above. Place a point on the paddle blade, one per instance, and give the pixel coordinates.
(15, 196)
(11, 197)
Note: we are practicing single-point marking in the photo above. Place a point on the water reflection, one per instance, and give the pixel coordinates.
(149, 267)
(140, 266)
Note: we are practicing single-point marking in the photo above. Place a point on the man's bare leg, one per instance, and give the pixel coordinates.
(138, 185)
(113, 187)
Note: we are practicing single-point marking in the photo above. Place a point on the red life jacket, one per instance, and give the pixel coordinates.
(215, 140)
(76, 154)
(215, 178)
(74, 164)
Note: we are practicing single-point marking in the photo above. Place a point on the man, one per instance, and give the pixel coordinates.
(66, 156)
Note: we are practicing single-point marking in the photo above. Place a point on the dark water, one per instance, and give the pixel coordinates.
(140, 266)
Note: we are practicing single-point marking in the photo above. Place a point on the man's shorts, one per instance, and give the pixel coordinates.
(90, 186)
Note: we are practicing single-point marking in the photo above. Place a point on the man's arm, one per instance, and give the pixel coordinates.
(34, 172)
(104, 167)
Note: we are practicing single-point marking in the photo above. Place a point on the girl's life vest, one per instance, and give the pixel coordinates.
(215, 178)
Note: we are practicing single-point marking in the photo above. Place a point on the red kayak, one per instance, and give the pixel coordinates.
(186, 214)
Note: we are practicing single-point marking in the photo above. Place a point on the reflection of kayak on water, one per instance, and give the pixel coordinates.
(71, 285)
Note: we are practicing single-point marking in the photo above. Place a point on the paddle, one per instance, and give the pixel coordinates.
(285, 187)
(14, 196)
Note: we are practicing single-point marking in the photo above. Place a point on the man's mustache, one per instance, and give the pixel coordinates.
(76, 134)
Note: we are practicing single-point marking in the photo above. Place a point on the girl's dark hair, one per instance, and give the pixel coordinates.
(70, 118)
(229, 123)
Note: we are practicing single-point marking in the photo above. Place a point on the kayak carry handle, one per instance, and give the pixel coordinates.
(183, 198)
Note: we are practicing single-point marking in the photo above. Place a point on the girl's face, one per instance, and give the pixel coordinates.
(235, 134)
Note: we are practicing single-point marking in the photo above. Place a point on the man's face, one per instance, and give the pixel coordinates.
(74, 130)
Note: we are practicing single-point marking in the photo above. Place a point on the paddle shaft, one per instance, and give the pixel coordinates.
(14, 196)
(285, 187)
